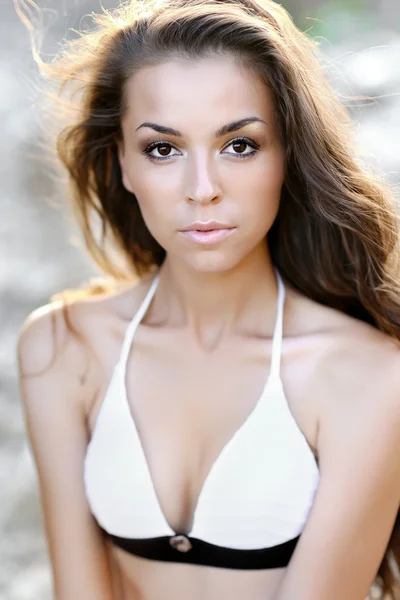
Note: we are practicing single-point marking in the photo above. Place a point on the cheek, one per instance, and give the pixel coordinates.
(260, 190)
(156, 201)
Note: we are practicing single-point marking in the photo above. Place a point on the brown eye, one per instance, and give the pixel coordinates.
(161, 149)
(239, 147)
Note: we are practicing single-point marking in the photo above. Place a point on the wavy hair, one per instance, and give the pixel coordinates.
(336, 235)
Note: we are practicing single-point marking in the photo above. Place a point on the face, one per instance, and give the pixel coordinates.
(197, 173)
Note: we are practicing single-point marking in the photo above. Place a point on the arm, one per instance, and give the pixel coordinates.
(345, 538)
(53, 400)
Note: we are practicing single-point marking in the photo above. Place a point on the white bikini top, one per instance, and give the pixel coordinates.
(255, 500)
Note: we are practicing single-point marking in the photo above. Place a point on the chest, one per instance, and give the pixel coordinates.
(189, 411)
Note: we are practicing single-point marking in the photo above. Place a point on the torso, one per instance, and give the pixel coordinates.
(183, 435)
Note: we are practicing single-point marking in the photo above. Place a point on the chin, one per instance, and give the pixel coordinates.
(212, 262)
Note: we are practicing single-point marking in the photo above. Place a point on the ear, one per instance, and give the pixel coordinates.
(122, 159)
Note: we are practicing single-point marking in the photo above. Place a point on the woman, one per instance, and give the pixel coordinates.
(227, 425)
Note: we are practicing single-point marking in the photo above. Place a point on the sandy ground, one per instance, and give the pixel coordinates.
(37, 259)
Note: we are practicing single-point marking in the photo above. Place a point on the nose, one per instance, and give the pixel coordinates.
(203, 187)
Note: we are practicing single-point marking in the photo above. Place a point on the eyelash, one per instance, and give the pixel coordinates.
(147, 151)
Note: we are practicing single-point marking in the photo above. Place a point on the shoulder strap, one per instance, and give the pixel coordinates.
(278, 331)
(131, 329)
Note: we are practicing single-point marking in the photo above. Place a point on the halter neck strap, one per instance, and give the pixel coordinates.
(278, 331)
(276, 340)
(131, 329)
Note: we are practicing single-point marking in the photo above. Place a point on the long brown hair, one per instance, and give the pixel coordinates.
(336, 236)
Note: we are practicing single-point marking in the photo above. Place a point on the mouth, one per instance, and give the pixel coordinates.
(208, 236)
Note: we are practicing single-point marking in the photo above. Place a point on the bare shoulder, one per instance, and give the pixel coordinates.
(357, 374)
(363, 363)
(66, 339)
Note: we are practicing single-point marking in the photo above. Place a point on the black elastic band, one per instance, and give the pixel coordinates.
(203, 553)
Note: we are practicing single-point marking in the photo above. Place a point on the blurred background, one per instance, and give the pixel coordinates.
(361, 39)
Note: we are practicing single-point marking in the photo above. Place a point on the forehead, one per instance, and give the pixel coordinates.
(206, 90)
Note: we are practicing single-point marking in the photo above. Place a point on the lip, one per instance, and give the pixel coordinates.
(204, 237)
(206, 226)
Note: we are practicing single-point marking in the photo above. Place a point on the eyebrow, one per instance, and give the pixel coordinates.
(229, 128)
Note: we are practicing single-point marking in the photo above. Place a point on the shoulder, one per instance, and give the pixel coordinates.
(347, 352)
(352, 369)
(65, 337)
(362, 366)
(357, 382)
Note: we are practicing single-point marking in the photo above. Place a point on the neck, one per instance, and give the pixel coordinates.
(214, 305)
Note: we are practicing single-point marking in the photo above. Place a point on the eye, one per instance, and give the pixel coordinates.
(161, 146)
(164, 149)
(240, 142)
